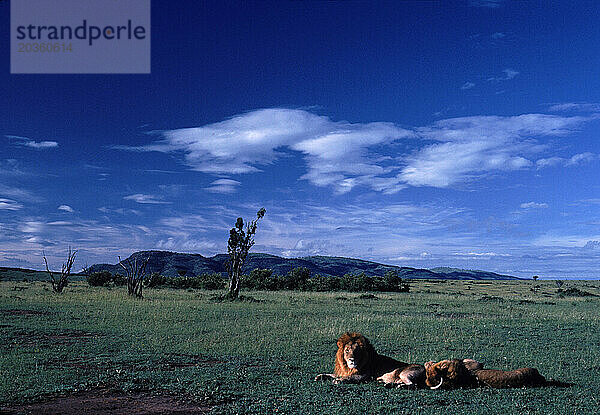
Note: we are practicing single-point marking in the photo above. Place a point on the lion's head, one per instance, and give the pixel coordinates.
(354, 354)
(449, 374)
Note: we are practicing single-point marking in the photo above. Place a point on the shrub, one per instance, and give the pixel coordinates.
(100, 279)
(211, 281)
(155, 280)
(321, 283)
(119, 280)
(181, 282)
(296, 279)
(393, 282)
(260, 279)
(356, 282)
(205, 282)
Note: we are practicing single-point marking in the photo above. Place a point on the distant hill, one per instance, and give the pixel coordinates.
(20, 274)
(168, 263)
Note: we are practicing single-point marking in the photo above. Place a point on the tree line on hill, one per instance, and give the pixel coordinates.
(297, 279)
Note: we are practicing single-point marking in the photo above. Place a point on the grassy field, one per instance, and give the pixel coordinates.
(261, 357)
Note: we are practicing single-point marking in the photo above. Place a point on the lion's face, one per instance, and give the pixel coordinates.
(354, 350)
(435, 373)
(354, 355)
(447, 374)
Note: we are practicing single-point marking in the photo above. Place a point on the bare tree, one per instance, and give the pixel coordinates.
(239, 244)
(60, 282)
(135, 272)
(86, 270)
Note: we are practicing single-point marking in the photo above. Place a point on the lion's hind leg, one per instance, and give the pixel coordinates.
(411, 376)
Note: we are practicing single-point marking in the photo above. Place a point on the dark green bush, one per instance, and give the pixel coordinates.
(100, 279)
(182, 282)
(260, 279)
(321, 283)
(119, 280)
(296, 279)
(205, 282)
(211, 281)
(155, 280)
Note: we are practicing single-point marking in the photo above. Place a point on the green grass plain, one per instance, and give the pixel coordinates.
(261, 357)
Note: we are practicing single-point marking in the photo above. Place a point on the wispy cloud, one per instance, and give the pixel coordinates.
(574, 160)
(343, 155)
(508, 75)
(498, 35)
(467, 85)
(472, 146)
(8, 204)
(66, 208)
(490, 4)
(223, 186)
(481, 254)
(335, 151)
(574, 107)
(18, 193)
(10, 167)
(533, 205)
(146, 199)
(27, 142)
(119, 211)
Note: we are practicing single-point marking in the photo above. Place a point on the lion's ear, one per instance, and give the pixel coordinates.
(443, 365)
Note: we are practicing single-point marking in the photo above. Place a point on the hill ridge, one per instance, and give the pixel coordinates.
(168, 263)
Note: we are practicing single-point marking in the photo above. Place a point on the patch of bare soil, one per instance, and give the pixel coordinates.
(168, 362)
(19, 312)
(65, 337)
(107, 402)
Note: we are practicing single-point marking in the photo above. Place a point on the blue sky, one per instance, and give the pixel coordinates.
(420, 134)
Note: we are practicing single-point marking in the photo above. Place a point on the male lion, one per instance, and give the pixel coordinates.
(451, 374)
(357, 361)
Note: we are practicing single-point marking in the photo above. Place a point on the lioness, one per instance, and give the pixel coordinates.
(357, 361)
(451, 374)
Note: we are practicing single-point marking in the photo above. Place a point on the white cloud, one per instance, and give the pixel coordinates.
(336, 152)
(32, 226)
(498, 35)
(467, 85)
(581, 158)
(490, 4)
(482, 254)
(223, 186)
(66, 208)
(8, 204)
(185, 245)
(472, 146)
(574, 106)
(145, 199)
(343, 155)
(508, 75)
(549, 162)
(18, 193)
(567, 162)
(38, 145)
(533, 205)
